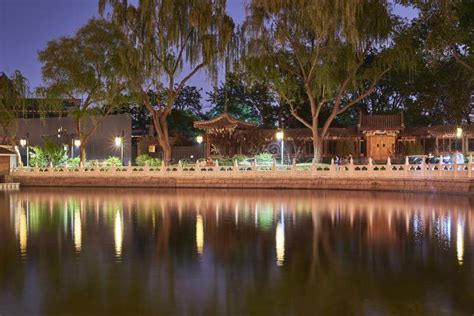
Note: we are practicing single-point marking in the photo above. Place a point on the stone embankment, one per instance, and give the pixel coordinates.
(427, 185)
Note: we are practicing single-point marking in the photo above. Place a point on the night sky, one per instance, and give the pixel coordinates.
(27, 25)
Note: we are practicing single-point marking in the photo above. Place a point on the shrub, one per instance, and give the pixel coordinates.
(264, 159)
(49, 153)
(113, 161)
(73, 162)
(239, 158)
(142, 160)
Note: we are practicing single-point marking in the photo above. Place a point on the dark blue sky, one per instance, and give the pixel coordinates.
(27, 25)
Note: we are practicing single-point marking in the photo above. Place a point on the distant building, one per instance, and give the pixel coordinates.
(63, 131)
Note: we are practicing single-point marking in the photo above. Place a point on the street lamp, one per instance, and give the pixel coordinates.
(75, 143)
(119, 143)
(199, 140)
(24, 143)
(459, 135)
(280, 136)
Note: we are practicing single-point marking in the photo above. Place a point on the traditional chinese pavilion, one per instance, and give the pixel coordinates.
(376, 136)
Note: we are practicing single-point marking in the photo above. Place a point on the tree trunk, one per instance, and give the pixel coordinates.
(317, 147)
(161, 126)
(82, 153)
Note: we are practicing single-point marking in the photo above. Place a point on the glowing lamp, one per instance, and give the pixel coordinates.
(118, 141)
(77, 142)
(199, 139)
(279, 135)
(22, 142)
(459, 132)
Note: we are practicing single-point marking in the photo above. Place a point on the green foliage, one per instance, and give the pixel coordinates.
(14, 92)
(143, 160)
(325, 47)
(239, 158)
(74, 162)
(85, 67)
(167, 40)
(246, 99)
(264, 158)
(49, 153)
(113, 161)
(345, 147)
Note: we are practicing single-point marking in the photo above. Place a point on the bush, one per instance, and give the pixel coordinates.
(73, 162)
(142, 160)
(239, 158)
(49, 153)
(264, 159)
(113, 161)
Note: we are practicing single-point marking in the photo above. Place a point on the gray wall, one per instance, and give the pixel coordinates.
(101, 144)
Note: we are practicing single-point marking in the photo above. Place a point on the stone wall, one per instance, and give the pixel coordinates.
(458, 186)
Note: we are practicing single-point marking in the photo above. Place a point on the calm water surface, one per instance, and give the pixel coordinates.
(116, 252)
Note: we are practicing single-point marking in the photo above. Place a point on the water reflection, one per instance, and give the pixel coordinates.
(235, 252)
(118, 234)
(199, 234)
(280, 240)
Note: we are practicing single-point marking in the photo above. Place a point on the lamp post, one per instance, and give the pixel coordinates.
(75, 143)
(24, 143)
(199, 140)
(119, 143)
(459, 136)
(280, 136)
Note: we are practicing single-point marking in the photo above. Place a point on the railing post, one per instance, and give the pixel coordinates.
(423, 168)
(293, 165)
(236, 166)
(407, 166)
(180, 166)
(274, 165)
(370, 167)
(469, 166)
(440, 166)
(332, 168)
(456, 166)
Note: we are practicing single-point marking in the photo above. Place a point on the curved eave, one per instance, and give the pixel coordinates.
(223, 121)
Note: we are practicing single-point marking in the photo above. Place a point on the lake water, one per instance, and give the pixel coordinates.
(232, 252)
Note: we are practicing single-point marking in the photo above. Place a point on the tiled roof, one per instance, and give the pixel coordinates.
(223, 121)
(4, 151)
(381, 122)
(450, 130)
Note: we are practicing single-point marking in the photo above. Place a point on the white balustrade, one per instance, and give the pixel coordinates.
(350, 170)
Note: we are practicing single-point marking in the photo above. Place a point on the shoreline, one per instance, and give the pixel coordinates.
(425, 185)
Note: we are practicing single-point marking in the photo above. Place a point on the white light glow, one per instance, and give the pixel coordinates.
(279, 135)
(199, 234)
(22, 142)
(118, 141)
(199, 139)
(280, 242)
(460, 241)
(77, 231)
(118, 235)
(77, 142)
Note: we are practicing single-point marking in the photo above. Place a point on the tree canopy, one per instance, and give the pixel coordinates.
(168, 43)
(85, 69)
(329, 48)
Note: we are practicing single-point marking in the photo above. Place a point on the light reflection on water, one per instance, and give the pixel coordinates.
(235, 252)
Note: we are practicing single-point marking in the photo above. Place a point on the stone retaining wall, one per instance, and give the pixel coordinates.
(458, 186)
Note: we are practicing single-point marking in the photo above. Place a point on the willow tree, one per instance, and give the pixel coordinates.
(14, 94)
(325, 46)
(169, 42)
(83, 70)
